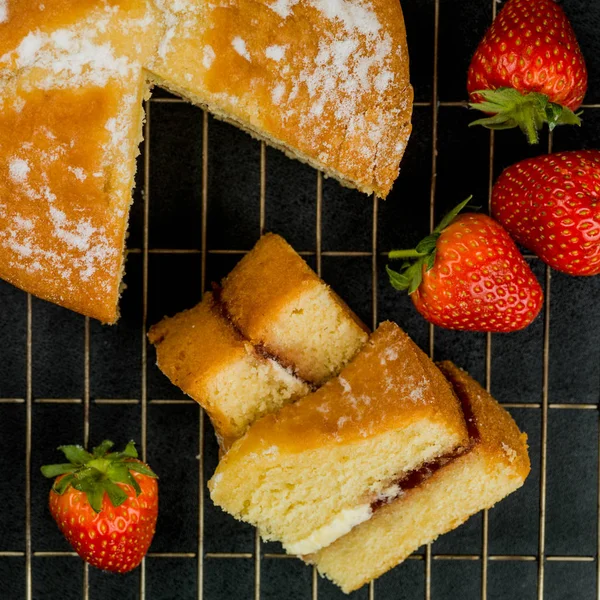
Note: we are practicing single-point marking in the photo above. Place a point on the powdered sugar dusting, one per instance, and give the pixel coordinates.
(239, 45)
(345, 385)
(353, 61)
(78, 172)
(354, 15)
(275, 52)
(389, 354)
(283, 7)
(70, 58)
(18, 169)
(61, 242)
(3, 11)
(277, 93)
(178, 16)
(510, 452)
(417, 394)
(92, 247)
(208, 56)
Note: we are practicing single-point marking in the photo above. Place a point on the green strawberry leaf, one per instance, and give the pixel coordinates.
(60, 487)
(75, 454)
(119, 473)
(399, 281)
(141, 468)
(130, 450)
(52, 471)
(450, 216)
(427, 244)
(422, 258)
(94, 494)
(116, 495)
(416, 277)
(507, 108)
(430, 260)
(99, 472)
(102, 449)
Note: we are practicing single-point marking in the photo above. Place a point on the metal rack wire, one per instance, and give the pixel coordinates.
(429, 558)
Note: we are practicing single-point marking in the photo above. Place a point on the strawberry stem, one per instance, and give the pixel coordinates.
(396, 254)
(421, 258)
(98, 473)
(509, 108)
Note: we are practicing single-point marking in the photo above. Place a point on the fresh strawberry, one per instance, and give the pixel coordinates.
(468, 274)
(551, 205)
(528, 69)
(105, 504)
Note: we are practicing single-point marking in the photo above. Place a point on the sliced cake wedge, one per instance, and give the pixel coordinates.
(277, 301)
(309, 473)
(437, 498)
(201, 352)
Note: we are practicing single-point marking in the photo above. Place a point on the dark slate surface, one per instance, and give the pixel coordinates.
(174, 283)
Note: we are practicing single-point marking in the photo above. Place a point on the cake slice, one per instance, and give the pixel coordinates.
(71, 92)
(66, 173)
(437, 498)
(326, 82)
(309, 473)
(277, 301)
(201, 352)
(300, 327)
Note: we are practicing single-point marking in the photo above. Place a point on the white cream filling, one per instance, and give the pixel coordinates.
(341, 525)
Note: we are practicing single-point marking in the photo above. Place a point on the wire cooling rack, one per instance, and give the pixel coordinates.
(207, 192)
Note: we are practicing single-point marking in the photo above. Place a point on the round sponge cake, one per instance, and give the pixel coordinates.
(326, 82)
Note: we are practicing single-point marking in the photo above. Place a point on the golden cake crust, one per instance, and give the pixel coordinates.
(192, 347)
(267, 278)
(499, 437)
(327, 82)
(195, 344)
(496, 464)
(61, 228)
(372, 395)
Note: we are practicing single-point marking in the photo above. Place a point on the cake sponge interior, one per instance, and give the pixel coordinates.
(201, 352)
(496, 464)
(276, 300)
(309, 473)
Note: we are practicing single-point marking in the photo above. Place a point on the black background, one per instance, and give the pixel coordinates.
(80, 369)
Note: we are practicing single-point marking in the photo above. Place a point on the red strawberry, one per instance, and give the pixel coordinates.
(551, 205)
(531, 57)
(105, 504)
(468, 274)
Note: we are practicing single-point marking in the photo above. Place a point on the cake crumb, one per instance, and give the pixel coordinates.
(510, 452)
(3, 11)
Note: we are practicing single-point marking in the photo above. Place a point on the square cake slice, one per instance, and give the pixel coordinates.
(202, 353)
(309, 473)
(437, 498)
(277, 301)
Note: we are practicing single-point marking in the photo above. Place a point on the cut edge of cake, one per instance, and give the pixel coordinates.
(438, 499)
(202, 353)
(310, 472)
(290, 152)
(278, 302)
